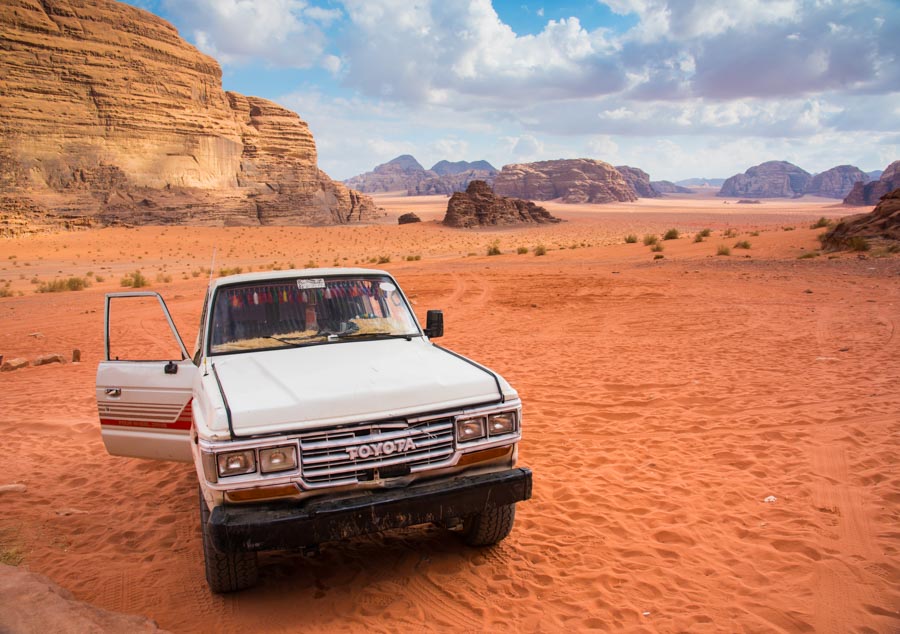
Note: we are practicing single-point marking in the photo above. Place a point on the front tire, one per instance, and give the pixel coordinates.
(226, 572)
(490, 526)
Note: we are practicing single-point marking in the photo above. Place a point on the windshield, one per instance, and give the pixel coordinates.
(308, 311)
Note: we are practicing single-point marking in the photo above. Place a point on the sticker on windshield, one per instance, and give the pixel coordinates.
(312, 282)
(387, 287)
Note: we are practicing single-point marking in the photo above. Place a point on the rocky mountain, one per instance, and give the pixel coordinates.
(668, 187)
(874, 175)
(479, 206)
(405, 173)
(701, 182)
(639, 181)
(773, 179)
(443, 168)
(570, 180)
(109, 116)
(836, 182)
(882, 223)
(870, 193)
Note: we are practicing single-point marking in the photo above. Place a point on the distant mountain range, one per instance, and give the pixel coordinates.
(405, 173)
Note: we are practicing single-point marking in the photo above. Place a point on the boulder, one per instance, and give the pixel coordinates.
(639, 181)
(31, 602)
(409, 218)
(872, 192)
(570, 180)
(882, 223)
(836, 182)
(773, 179)
(109, 116)
(11, 365)
(47, 359)
(478, 206)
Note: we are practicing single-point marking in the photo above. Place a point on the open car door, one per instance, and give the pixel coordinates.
(144, 383)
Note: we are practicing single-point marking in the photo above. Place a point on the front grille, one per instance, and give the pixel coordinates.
(350, 455)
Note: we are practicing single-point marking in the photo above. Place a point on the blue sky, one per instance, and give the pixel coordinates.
(679, 88)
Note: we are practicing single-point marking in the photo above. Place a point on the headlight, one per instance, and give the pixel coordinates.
(470, 429)
(278, 459)
(235, 463)
(499, 424)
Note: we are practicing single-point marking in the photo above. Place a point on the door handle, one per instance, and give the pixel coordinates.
(114, 392)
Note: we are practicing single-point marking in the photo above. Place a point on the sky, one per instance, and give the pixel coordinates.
(679, 88)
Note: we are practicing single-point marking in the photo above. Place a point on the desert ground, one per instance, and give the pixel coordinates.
(665, 400)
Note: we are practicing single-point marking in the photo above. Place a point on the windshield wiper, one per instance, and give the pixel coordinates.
(372, 335)
(292, 344)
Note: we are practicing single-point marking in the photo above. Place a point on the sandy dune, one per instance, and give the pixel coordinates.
(665, 400)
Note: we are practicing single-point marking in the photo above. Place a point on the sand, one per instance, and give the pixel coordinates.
(665, 401)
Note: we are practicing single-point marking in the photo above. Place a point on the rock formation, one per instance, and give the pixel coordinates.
(570, 180)
(639, 181)
(407, 219)
(109, 115)
(701, 182)
(882, 223)
(405, 173)
(668, 187)
(30, 602)
(773, 179)
(836, 182)
(870, 193)
(478, 206)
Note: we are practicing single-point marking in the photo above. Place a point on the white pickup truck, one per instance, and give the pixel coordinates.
(316, 408)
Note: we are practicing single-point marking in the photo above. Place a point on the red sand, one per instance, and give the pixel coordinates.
(664, 401)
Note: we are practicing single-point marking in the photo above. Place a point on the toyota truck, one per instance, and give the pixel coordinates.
(314, 408)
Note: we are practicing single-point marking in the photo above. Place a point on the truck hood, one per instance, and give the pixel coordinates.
(300, 388)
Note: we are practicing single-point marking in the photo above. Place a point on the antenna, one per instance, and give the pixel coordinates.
(212, 265)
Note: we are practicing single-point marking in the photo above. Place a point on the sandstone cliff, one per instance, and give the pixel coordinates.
(773, 179)
(108, 114)
(871, 193)
(882, 223)
(639, 181)
(405, 173)
(479, 206)
(836, 182)
(570, 180)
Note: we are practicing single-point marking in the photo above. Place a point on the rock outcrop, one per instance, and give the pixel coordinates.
(405, 173)
(668, 187)
(108, 114)
(870, 193)
(639, 181)
(773, 179)
(836, 182)
(882, 223)
(30, 602)
(407, 219)
(479, 206)
(570, 180)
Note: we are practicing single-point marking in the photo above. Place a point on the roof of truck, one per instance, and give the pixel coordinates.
(265, 276)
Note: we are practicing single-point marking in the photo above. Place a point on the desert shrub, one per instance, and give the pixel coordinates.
(630, 238)
(384, 259)
(100, 278)
(788, 228)
(754, 234)
(494, 248)
(808, 255)
(5, 291)
(723, 250)
(657, 247)
(742, 244)
(858, 243)
(312, 264)
(522, 250)
(650, 240)
(234, 270)
(821, 223)
(698, 237)
(134, 280)
(705, 233)
(35, 280)
(164, 278)
(540, 250)
(730, 233)
(671, 234)
(65, 284)
(658, 256)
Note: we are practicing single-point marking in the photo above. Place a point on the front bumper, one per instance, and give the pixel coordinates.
(282, 526)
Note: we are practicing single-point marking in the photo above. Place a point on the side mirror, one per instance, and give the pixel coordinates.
(434, 326)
